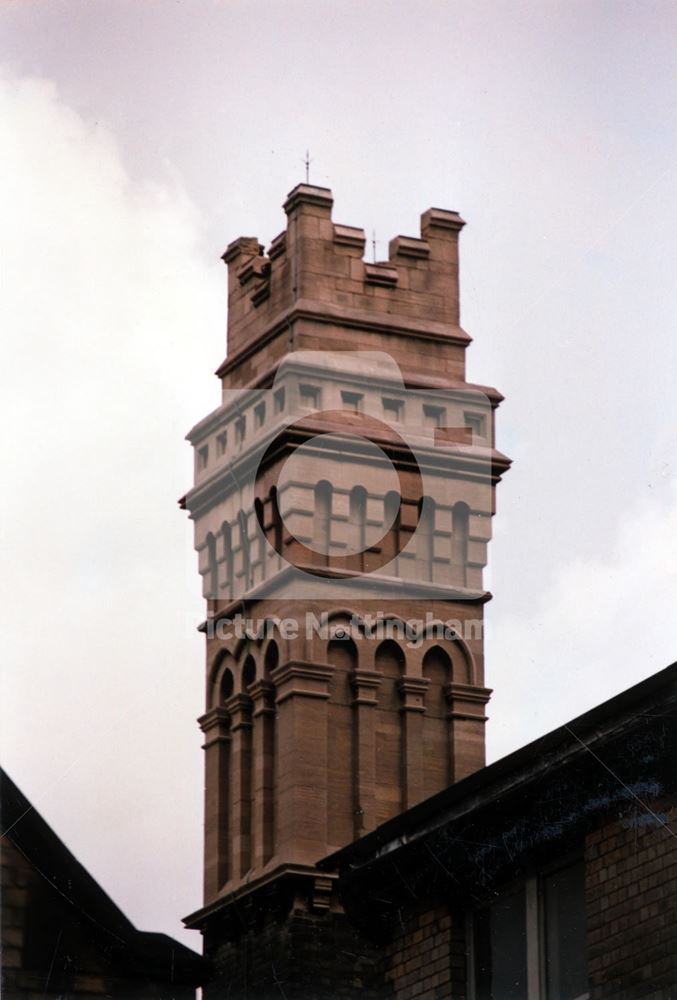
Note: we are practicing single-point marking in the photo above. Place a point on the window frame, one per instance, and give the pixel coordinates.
(310, 395)
(434, 415)
(352, 400)
(534, 901)
(393, 408)
(470, 418)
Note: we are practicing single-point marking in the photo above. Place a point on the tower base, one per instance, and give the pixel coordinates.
(288, 939)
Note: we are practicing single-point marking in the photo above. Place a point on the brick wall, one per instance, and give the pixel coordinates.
(47, 952)
(303, 956)
(631, 903)
(15, 879)
(426, 957)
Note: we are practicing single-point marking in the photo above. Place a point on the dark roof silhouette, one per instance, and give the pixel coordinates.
(128, 951)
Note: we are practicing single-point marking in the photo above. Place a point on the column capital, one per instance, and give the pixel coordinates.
(263, 698)
(365, 684)
(466, 701)
(301, 678)
(215, 724)
(412, 691)
(239, 707)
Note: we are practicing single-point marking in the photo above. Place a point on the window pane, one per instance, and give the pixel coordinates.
(565, 937)
(501, 949)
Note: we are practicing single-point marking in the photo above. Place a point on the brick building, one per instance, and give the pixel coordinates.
(63, 936)
(342, 507)
(550, 873)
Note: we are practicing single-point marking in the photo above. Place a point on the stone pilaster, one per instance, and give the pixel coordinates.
(412, 692)
(239, 707)
(365, 685)
(263, 748)
(301, 792)
(215, 724)
(467, 719)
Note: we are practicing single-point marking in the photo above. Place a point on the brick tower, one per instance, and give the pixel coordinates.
(342, 509)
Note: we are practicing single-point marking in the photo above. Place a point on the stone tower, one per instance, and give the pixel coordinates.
(342, 509)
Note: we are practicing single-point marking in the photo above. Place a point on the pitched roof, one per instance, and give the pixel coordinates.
(136, 953)
(570, 747)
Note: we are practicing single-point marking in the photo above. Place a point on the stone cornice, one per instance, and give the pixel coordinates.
(299, 678)
(365, 583)
(280, 875)
(265, 378)
(485, 464)
(327, 312)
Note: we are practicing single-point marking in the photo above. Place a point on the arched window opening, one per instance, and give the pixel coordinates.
(277, 523)
(460, 517)
(390, 659)
(358, 523)
(212, 580)
(248, 673)
(390, 663)
(272, 658)
(425, 538)
(227, 685)
(227, 558)
(437, 666)
(342, 653)
(392, 517)
(260, 528)
(322, 521)
(244, 548)
(437, 748)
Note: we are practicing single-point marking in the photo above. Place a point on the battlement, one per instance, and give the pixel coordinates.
(317, 265)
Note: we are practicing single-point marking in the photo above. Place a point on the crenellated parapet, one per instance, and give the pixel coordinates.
(314, 271)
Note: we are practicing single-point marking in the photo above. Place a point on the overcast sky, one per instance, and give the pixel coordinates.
(139, 138)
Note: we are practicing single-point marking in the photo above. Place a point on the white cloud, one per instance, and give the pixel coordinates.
(113, 323)
(604, 624)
